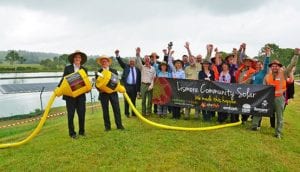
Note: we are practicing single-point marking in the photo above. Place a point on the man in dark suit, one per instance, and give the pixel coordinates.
(104, 62)
(76, 59)
(131, 79)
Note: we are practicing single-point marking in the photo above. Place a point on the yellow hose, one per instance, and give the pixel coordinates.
(52, 98)
(37, 129)
(174, 127)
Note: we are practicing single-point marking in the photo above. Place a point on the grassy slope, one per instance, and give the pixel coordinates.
(144, 148)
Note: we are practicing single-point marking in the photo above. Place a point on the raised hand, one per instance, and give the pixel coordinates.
(297, 51)
(117, 52)
(138, 51)
(209, 48)
(187, 45)
(268, 51)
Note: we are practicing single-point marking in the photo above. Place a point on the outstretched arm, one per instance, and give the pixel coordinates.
(139, 63)
(120, 61)
(292, 63)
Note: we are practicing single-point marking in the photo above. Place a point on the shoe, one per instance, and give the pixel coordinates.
(73, 136)
(254, 128)
(82, 134)
(278, 136)
(121, 128)
(127, 115)
(107, 129)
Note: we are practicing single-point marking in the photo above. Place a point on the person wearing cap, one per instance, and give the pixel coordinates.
(76, 59)
(105, 61)
(131, 79)
(176, 67)
(148, 74)
(206, 74)
(277, 78)
(163, 72)
(258, 79)
(243, 76)
(155, 63)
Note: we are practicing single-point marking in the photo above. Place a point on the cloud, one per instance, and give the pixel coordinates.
(99, 27)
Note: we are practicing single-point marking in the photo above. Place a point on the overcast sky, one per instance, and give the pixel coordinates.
(99, 27)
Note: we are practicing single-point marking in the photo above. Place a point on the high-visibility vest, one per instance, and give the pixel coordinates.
(216, 72)
(246, 76)
(279, 83)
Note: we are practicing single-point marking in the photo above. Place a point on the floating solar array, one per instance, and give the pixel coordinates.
(27, 88)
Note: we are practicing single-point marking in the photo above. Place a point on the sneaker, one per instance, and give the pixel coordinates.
(73, 136)
(278, 136)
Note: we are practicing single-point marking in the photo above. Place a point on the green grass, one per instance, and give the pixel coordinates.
(141, 147)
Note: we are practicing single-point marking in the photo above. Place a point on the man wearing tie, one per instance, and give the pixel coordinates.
(131, 79)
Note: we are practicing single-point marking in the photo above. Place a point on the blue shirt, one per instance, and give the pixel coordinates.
(258, 77)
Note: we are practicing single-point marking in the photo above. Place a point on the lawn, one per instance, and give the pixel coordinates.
(141, 147)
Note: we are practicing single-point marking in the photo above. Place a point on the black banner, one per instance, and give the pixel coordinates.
(214, 96)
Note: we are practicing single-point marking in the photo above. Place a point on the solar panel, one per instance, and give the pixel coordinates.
(27, 88)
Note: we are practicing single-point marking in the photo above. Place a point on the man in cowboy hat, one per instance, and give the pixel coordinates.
(131, 79)
(76, 59)
(277, 78)
(105, 61)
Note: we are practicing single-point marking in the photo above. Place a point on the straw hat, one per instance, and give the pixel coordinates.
(83, 57)
(275, 62)
(178, 61)
(154, 54)
(98, 60)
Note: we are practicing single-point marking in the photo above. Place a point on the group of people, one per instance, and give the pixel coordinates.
(139, 74)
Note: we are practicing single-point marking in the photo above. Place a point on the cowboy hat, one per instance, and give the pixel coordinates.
(229, 55)
(248, 58)
(206, 62)
(83, 57)
(275, 62)
(98, 60)
(153, 54)
(178, 61)
(163, 63)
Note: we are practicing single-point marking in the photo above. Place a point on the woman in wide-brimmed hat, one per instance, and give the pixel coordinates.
(77, 59)
(206, 74)
(178, 73)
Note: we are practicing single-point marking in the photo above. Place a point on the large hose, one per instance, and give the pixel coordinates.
(37, 129)
(174, 127)
(52, 98)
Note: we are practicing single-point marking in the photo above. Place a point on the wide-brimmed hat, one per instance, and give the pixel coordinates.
(153, 54)
(178, 61)
(98, 60)
(83, 57)
(163, 63)
(248, 58)
(229, 55)
(275, 62)
(206, 62)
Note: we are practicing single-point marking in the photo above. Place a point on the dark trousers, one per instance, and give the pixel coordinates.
(131, 90)
(114, 100)
(272, 121)
(207, 115)
(234, 117)
(245, 117)
(222, 116)
(79, 106)
(176, 112)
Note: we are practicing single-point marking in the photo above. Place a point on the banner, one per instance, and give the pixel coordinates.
(214, 96)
